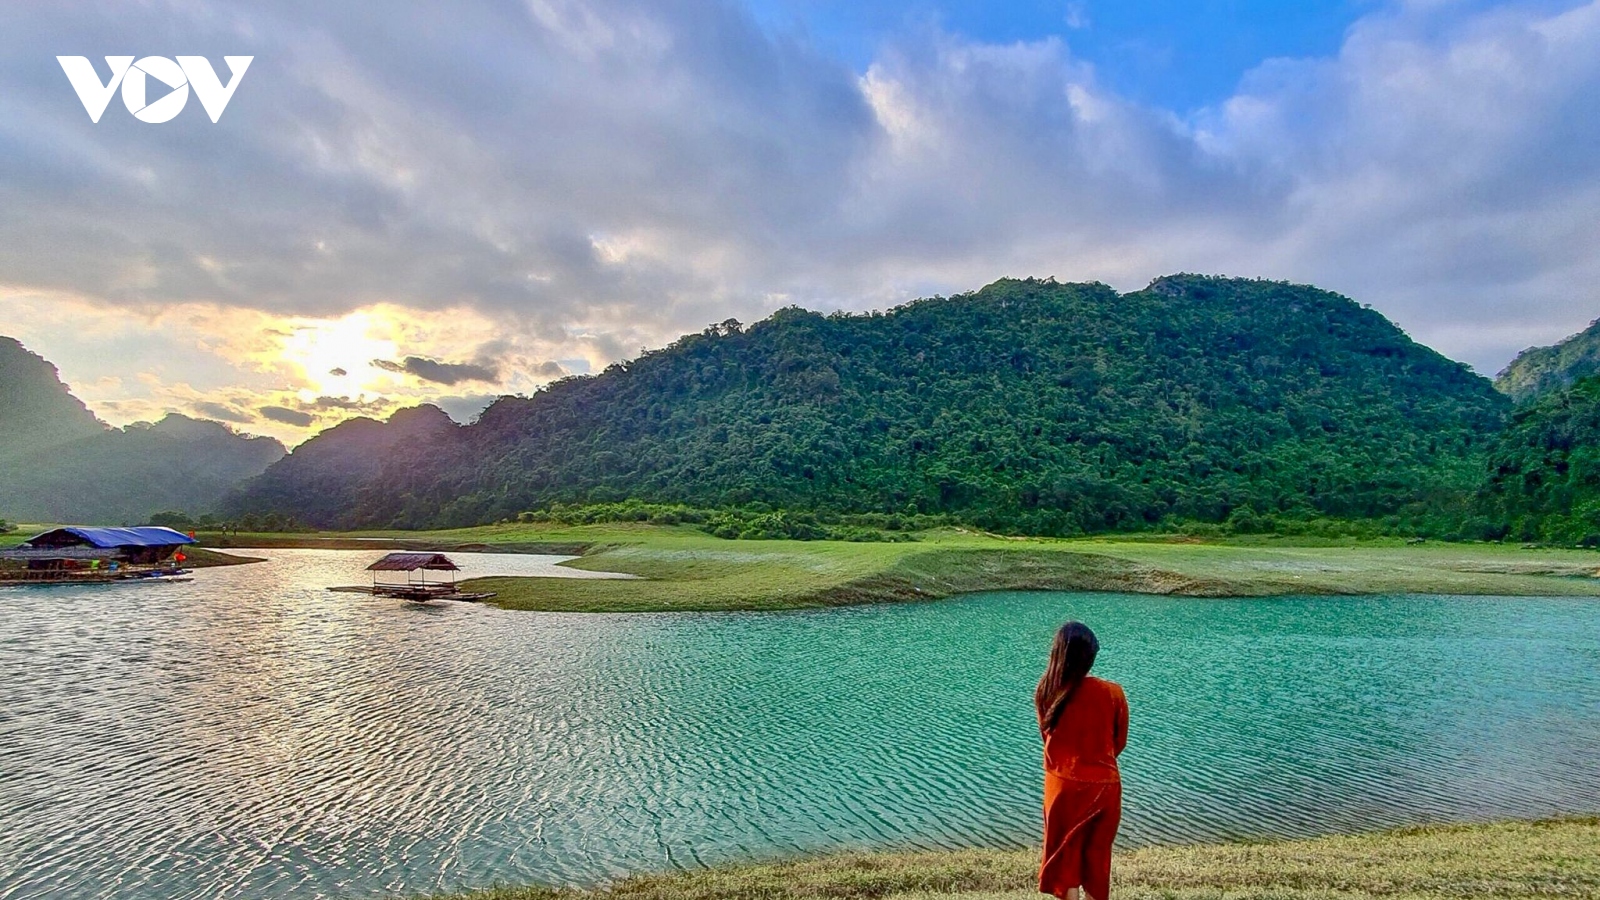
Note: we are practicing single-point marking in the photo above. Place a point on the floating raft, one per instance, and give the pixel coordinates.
(92, 555)
(49, 580)
(415, 596)
(416, 587)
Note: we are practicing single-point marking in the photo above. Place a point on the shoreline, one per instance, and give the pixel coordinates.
(682, 569)
(1519, 858)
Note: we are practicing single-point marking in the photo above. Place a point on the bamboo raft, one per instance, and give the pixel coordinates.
(417, 594)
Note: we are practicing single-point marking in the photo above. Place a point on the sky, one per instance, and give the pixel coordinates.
(451, 202)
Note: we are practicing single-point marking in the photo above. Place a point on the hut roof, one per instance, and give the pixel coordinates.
(410, 562)
(108, 538)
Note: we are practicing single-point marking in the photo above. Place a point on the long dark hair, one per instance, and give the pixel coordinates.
(1071, 657)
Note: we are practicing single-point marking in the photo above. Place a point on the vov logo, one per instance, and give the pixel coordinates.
(134, 77)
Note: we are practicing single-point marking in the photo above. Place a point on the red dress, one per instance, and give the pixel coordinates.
(1083, 790)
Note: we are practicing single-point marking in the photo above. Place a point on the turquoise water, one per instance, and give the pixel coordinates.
(251, 735)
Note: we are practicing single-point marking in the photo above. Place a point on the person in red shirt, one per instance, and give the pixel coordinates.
(1084, 723)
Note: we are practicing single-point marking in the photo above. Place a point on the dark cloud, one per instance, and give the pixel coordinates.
(325, 404)
(440, 372)
(549, 369)
(286, 416)
(339, 373)
(222, 412)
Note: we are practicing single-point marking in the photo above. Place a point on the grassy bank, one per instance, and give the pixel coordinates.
(201, 558)
(689, 571)
(682, 568)
(1511, 859)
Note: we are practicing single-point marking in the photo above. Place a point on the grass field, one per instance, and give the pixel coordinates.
(682, 568)
(1554, 859)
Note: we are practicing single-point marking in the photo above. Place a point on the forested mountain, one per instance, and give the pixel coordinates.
(314, 482)
(1544, 473)
(36, 409)
(1027, 406)
(58, 463)
(1539, 370)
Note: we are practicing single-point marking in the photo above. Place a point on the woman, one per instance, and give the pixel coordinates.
(1084, 723)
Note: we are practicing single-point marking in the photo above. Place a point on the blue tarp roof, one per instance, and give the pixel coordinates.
(107, 538)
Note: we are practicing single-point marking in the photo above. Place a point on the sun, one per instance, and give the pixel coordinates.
(335, 356)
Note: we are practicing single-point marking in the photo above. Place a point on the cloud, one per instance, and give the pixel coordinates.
(325, 404)
(222, 412)
(440, 372)
(286, 416)
(581, 179)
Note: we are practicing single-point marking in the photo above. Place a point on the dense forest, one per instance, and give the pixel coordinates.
(1543, 477)
(1027, 407)
(58, 463)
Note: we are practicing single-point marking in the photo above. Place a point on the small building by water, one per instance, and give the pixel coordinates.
(405, 575)
(79, 553)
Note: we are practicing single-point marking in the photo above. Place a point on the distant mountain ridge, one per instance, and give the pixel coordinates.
(1540, 370)
(36, 408)
(1027, 406)
(311, 482)
(58, 463)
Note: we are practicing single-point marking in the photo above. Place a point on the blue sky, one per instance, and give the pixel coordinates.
(1169, 53)
(415, 202)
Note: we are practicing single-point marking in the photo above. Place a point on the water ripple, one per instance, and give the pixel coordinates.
(251, 735)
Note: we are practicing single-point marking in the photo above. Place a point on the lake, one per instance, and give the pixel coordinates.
(250, 734)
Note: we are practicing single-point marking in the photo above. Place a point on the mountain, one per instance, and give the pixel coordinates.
(36, 409)
(1539, 370)
(58, 463)
(1544, 471)
(1026, 406)
(312, 483)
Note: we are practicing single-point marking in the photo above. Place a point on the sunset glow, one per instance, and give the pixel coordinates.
(333, 357)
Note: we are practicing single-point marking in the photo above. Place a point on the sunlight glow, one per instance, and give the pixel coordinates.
(334, 356)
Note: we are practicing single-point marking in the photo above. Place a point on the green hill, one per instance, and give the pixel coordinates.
(1539, 370)
(58, 463)
(1026, 406)
(1544, 472)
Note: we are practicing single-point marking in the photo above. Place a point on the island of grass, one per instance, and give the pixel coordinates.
(681, 568)
(1558, 858)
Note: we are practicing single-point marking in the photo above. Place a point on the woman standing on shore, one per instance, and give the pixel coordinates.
(1084, 723)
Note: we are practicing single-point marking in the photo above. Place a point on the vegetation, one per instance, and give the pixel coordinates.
(680, 568)
(1205, 407)
(58, 462)
(758, 522)
(1544, 474)
(182, 521)
(1513, 859)
(1540, 370)
(314, 483)
(1029, 407)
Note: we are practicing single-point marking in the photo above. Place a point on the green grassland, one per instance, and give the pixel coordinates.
(682, 568)
(1504, 860)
